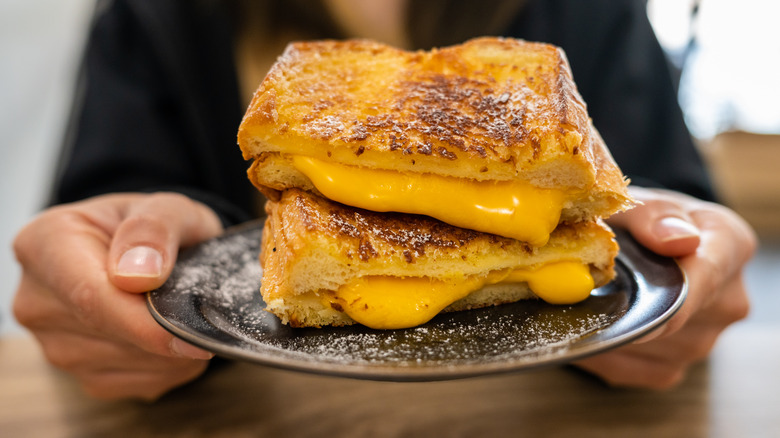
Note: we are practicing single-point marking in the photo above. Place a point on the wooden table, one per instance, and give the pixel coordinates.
(735, 394)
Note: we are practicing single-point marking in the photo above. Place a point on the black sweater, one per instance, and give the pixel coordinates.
(158, 105)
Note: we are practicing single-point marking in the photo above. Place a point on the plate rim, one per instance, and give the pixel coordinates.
(399, 372)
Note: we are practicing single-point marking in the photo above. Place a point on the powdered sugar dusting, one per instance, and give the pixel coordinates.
(450, 340)
(325, 127)
(213, 300)
(222, 275)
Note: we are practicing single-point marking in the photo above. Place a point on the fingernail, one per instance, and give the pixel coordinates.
(183, 349)
(141, 261)
(674, 228)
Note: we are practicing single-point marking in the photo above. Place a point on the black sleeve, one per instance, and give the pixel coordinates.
(157, 109)
(623, 75)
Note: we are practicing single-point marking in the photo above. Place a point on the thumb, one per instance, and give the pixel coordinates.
(145, 244)
(660, 223)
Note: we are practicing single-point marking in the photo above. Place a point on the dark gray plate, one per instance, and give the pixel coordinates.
(212, 300)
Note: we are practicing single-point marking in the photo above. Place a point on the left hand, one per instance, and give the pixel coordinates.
(712, 245)
(85, 266)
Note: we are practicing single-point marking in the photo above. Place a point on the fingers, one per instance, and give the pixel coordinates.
(712, 297)
(88, 325)
(105, 363)
(65, 284)
(712, 244)
(83, 353)
(107, 369)
(36, 308)
(145, 244)
(661, 223)
(63, 257)
(663, 362)
(123, 384)
(660, 364)
(632, 371)
(726, 229)
(98, 310)
(715, 284)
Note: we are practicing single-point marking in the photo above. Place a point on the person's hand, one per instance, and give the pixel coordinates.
(83, 268)
(712, 245)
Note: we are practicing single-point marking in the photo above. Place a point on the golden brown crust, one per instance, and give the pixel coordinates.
(446, 103)
(490, 108)
(365, 232)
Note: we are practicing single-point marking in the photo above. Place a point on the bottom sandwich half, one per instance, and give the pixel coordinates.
(328, 264)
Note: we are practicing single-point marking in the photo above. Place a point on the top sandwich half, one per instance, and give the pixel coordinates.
(489, 135)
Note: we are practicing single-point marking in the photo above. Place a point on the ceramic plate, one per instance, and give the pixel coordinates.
(212, 300)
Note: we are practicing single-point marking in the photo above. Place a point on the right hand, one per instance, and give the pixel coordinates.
(712, 244)
(85, 267)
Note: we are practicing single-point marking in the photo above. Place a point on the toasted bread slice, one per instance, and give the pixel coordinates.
(312, 247)
(490, 109)
(272, 173)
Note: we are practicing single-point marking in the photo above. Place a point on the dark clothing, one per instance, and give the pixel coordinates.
(159, 108)
(159, 105)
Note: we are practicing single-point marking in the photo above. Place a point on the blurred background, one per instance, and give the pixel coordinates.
(728, 55)
(40, 43)
(726, 52)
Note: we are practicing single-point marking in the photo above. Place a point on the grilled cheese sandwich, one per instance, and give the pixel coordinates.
(403, 184)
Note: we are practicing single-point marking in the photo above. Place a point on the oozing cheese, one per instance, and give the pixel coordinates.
(382, 302)
(506, 208)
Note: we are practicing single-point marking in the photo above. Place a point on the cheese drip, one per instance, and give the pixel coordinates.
(384, 302)
(507, 208)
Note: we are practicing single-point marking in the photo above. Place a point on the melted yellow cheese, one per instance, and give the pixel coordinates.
(383, 302)
(506, 208)
(556, 283)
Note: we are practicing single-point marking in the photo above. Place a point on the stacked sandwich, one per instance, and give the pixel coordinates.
(404, 184)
